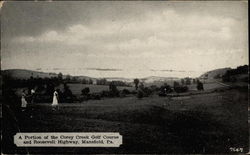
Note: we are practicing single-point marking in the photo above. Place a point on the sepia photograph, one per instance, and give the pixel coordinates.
(124, 77)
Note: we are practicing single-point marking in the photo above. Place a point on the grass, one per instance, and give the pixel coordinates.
(76, 88)
(207, 86)
(205, 123)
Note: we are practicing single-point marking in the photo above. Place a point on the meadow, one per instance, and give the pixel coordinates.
(204, 123)
(76, 88)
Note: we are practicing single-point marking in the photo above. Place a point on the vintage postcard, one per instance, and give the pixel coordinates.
(124, 77)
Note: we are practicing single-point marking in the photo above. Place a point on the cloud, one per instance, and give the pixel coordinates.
(159, 39)
(164, 31)
(104, 69)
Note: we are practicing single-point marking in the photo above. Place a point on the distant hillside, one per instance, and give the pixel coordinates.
(128, 80)
(26, 74)
(159, 81)
(217, 73)
(153, 79)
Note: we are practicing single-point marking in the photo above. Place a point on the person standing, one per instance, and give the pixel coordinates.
(23, 101)
(31, 103)
(55, 101)
(32, 95)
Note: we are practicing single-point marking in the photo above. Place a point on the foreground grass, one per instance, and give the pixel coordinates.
(206, 123)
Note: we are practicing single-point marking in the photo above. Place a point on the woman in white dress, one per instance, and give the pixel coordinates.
(23, 101)
(55, 100)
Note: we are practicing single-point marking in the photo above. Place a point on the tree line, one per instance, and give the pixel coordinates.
(231, 75)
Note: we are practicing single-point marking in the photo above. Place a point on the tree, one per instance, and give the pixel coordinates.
(176, 84)
(141, 86)
(67, 93)
(74, 79)
(181, 89)
(136, 82)
(165, 89)
(85, 91)
(199, 85)
(188, 81)
(90, 81)
(60, 76)
(101, 82)
(229, 76)
(182, 81)
(197, 80)
(147, 91)
(113, 89)
(50, 88)
(68, 78)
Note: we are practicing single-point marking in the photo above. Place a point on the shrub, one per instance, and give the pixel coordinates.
(181, 89)
(147, 91)
(176, 84)
(140, 94)
(136, 82)
(126, 91)
(114, 93)
(165, 89)
(113, 90)
(67, 95)
(154, 88)
(188, 81)
(200, 86)
(227, 77)
(133, 92)
(105, 93)
(95, 96)
(162, 94)
(85, 91)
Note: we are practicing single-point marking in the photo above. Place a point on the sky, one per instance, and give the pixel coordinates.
(123, 38)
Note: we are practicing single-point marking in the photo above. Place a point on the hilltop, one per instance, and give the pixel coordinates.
(26, 74)
(152, 79)
(215, 73)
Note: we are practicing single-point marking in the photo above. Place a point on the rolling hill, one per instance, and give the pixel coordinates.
(213, 73)
(26, 74)
(153, 79)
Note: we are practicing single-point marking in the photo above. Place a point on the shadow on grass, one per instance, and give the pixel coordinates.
(150, 129)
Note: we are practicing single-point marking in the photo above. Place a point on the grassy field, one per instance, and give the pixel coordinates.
(206, 123)
(208, 85)
(76, 88)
